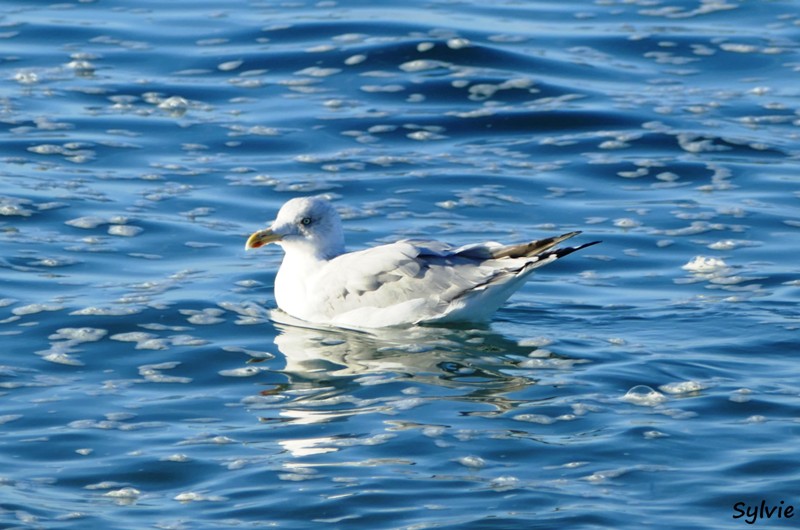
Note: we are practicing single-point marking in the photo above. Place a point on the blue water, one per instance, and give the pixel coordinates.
(650, 381)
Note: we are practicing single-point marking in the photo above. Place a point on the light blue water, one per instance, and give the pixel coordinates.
(144, 384)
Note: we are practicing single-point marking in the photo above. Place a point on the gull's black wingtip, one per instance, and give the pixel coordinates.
(590, 244)
(561, 252)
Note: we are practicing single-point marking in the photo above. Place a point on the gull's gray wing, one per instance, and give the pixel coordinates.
(412, 281)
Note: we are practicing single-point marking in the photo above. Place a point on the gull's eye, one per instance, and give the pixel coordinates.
(306, 221)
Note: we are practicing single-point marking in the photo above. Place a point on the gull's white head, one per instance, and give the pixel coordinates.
(307, 224)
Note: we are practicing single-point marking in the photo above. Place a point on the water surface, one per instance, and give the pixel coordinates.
(648, 381)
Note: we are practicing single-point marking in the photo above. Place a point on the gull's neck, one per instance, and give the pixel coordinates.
(308, 253)
(331, 250)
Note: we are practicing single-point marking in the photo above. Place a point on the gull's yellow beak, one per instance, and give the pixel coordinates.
(261, 238)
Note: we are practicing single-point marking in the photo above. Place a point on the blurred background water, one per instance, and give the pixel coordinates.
(650, 381)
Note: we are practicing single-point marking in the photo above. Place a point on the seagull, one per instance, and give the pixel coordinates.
(407, 283)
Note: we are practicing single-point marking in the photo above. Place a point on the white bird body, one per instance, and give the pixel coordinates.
(404, 283)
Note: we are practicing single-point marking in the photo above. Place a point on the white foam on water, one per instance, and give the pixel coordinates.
(644, 396)
(705, 265)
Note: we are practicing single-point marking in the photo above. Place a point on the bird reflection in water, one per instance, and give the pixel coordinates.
(329, 371)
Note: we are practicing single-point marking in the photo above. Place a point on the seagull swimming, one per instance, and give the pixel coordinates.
(404, 283)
